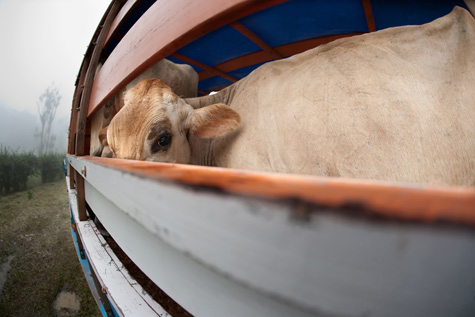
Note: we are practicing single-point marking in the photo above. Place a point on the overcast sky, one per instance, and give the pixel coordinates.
(42, 42)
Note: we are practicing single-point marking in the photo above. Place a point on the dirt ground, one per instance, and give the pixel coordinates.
(40, 274)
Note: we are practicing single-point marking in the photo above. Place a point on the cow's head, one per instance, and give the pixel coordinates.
(155, 124)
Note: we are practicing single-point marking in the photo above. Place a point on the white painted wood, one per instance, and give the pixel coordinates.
(228, 255)
(124, 293)
(201, 290)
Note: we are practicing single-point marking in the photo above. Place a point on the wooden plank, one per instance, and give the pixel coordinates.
(71, 180)
(80, 84)
(258, 41)
(122, 290)
(91, 70)
(424, 203)
(120, 18)
(200, 289)
(105, 303)
(75, 106)
(81, 196)
(147, 42)
(195, 241)
(368, 11)
(80, 248)
(127, 296)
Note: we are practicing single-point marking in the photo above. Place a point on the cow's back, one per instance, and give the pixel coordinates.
(181, 78)
(396, 105)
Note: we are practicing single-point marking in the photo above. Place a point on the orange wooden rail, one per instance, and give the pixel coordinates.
(146, 43)
(125, 11)
(369, 198)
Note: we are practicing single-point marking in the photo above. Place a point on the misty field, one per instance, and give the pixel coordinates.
(37, 250)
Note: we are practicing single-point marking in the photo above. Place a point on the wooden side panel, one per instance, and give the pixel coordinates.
(122, 290)
(81, 196)
(240, 255)
(127, 8)
(91, 70)
(75, 106)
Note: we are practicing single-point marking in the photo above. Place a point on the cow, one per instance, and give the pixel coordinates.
(182, 78)
(394, 105)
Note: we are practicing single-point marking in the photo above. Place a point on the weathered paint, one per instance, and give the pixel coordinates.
(125, 295)
(261, 259)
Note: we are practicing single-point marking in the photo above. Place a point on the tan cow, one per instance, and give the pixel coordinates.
(394, 105)
(182, 78)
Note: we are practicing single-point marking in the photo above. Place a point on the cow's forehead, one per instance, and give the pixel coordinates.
(159, 126)
(151, 103)
(149, 91)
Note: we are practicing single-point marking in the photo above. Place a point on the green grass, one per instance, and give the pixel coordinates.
(35, 228)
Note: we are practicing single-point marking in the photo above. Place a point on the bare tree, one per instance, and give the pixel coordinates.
(47, 105)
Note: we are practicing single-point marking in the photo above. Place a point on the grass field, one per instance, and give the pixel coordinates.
(37, 248)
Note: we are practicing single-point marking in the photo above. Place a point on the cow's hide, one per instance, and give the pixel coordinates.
(394, 105)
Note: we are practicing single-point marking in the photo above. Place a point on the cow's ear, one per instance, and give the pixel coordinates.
(213, 121)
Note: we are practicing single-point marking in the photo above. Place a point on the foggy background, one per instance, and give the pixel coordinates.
(42, 46)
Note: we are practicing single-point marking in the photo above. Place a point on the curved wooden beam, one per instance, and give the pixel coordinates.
(368, 11)
(146, 42)
(257, 40)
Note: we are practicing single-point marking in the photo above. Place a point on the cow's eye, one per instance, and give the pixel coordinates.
(162, 143)
(164, 140)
